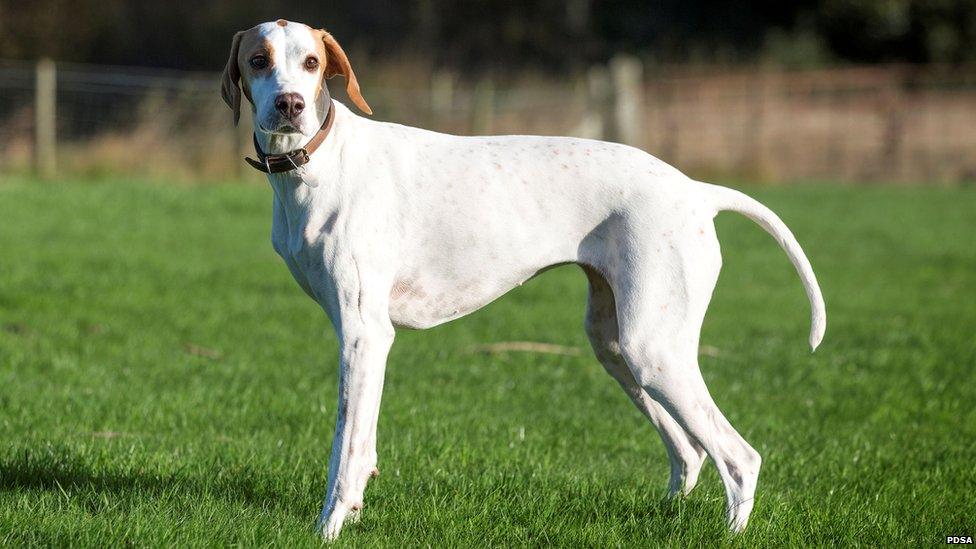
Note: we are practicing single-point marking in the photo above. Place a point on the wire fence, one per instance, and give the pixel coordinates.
(882, 124)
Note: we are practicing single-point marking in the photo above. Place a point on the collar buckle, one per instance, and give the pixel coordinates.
(302, 156)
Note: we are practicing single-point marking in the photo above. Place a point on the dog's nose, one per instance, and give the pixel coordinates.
(290, 105)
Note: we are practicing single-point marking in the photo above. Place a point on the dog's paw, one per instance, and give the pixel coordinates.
(354, 516)
(330, 524)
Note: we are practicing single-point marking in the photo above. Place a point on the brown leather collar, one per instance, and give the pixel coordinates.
(278, 163)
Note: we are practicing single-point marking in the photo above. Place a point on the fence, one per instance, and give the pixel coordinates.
(889, 123)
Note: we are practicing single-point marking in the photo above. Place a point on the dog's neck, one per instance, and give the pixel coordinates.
(295, 189)
(316, 184)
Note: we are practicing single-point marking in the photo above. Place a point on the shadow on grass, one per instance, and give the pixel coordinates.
(69, 474)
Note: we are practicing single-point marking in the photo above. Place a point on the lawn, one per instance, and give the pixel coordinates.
(163, 381)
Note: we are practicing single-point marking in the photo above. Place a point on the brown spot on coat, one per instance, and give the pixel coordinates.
(334, 61)
(252, 43)
(403, 287)
(282, 23)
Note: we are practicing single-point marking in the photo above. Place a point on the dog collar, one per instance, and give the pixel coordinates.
(278, 163)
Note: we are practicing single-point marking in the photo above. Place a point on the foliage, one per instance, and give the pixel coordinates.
(557, 35)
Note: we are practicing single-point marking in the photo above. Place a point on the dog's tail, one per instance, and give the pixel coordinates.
(730, 199)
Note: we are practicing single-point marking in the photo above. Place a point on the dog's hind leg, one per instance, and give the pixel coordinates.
(685, 455)
(662, 293)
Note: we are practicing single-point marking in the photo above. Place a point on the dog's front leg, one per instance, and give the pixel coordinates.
(364, 345)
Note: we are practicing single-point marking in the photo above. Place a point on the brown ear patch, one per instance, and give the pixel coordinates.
(244, 45)
(335, 63)
(282, 23)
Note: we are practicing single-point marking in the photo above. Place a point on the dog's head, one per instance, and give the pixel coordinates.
(281, 67)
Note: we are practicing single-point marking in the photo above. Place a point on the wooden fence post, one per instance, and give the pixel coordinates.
(243, 140)
(627, 75)
(441, 106)
(893, 136)
(45, 119)
(752, 162)
(483, 108)
(442, 91)
(596, 118)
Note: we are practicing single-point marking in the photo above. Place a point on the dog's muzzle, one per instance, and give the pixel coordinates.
(292, 160)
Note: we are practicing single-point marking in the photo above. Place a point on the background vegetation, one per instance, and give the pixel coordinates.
(556, 35)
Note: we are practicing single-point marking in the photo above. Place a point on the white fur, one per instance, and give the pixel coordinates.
(292, 44)
(395, 226)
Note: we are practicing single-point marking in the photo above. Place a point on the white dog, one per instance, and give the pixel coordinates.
(385, 225)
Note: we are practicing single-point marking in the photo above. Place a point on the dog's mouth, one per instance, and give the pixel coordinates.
(288, 129)
(281, 126)
(283, 129)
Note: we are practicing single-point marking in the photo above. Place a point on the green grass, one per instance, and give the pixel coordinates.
(163, 381)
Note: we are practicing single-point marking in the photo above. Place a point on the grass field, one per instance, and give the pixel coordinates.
(163, 381)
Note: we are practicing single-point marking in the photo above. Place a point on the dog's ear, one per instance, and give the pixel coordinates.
(230, 88)
(338, 63)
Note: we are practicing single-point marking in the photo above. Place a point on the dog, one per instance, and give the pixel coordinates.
(387, 226)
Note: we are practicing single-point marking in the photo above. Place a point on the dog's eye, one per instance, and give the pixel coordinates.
(259, 62)
(311, 64)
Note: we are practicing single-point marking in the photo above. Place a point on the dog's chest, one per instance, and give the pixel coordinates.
(301, 238)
